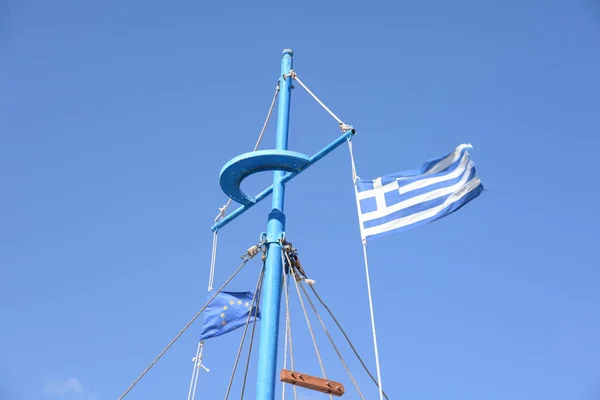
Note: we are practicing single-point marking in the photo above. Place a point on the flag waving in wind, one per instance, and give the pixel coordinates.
(404, 200)
(227, 312)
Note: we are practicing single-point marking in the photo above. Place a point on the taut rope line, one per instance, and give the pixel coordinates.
(187, 326)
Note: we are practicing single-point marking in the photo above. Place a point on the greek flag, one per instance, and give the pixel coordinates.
(404, 200)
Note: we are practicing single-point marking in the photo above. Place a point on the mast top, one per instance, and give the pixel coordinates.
(288, 51)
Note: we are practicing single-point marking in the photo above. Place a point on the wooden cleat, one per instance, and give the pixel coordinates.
(312, 383)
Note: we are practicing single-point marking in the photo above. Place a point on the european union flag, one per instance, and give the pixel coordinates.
(227, 312)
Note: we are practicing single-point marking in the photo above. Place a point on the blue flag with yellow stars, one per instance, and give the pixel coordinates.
(227, 312)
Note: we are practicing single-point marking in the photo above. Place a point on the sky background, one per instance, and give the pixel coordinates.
(118, 116)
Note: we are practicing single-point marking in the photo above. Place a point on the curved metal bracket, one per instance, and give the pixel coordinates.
(244, 165)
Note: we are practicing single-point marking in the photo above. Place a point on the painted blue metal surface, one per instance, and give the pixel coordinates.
(287, 177)
(271, 291)
(332, 146)
(286, 165)
(242, 166)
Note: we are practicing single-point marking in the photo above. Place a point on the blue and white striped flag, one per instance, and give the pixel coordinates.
(404, 200)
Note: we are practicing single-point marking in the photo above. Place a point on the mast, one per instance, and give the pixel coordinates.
(286, 165)
(271, 292)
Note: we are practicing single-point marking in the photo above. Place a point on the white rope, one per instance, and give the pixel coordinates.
(295, 77)
(194, 373)
(200, 349)
(372, 321)
(312, 287)
(286, 338)
(252, 312)
(264, 128)
(211, 280)
(354, 175)
(198, 365)
(364, 244)
(213, 261)
(312, 335)
(185, 328)
(223, 209)
(288, 328)
(330, 338)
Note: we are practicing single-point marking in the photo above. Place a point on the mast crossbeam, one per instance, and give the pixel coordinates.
(240, 167)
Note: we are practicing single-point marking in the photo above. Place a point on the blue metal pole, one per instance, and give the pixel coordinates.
(271, 291)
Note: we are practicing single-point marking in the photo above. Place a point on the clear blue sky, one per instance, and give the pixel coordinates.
(118, 116)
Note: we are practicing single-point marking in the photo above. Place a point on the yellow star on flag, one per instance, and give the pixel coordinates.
(239, 302)
(247, 304)
(223, 323)
(222, 315)
(225, 307)
(231, 302)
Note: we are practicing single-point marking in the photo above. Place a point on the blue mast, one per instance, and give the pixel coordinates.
(271, 292)
(286, 165)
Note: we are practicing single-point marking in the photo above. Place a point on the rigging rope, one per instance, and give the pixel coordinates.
(324, 327)
(346, 336)
(251, 343)
(287, 325)
(219, 216)
(310, 283)
(198, 364)
(196, 370)
(223, 209)
(264, 128)
(312, 335)
(354, 175)
(372, 320)
(288, 328)
(364, 246)
(186, 327)
(295, 77)
(332, 342)
(354, 178)
(237, 358)
(213, 262)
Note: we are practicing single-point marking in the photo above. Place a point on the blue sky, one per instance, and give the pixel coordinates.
(118, 116)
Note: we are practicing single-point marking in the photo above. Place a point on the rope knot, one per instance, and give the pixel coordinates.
(251, 252)
(345, 127)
